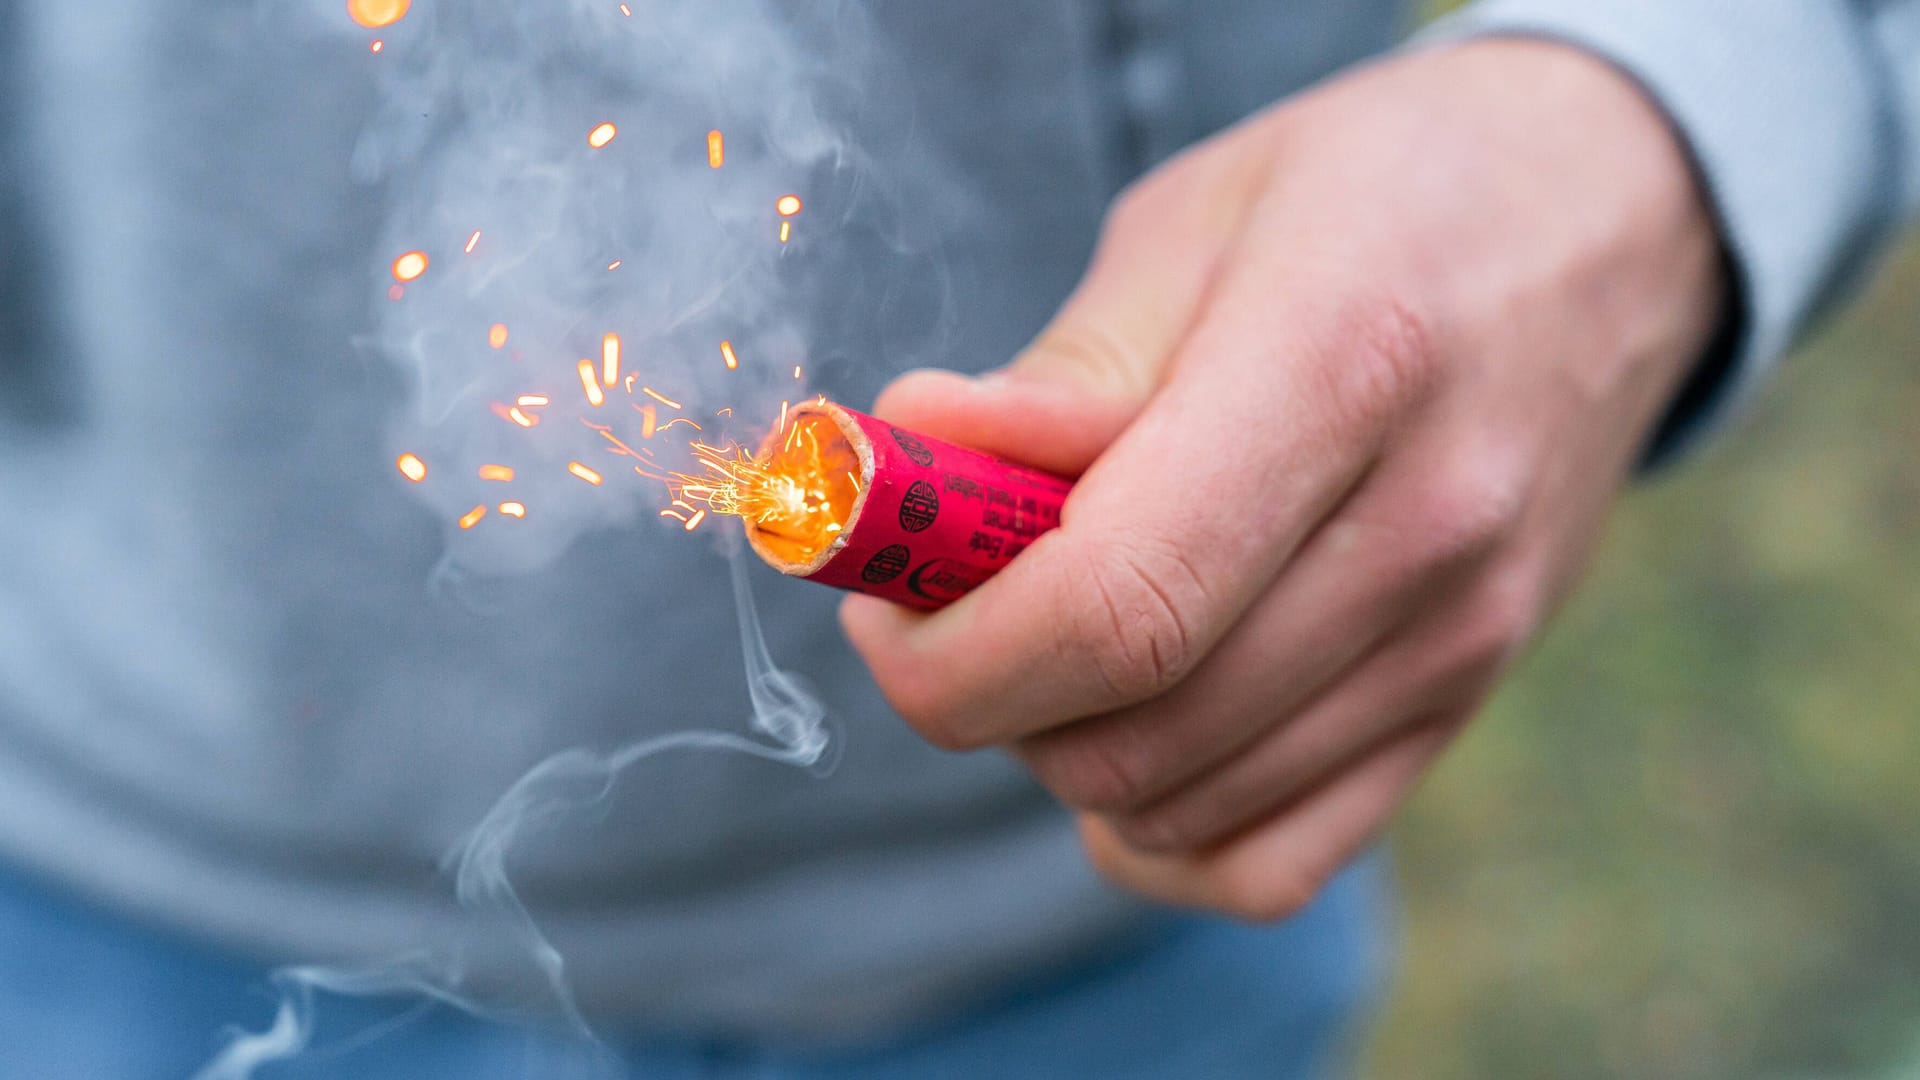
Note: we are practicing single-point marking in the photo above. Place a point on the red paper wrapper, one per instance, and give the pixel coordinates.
(931, 520)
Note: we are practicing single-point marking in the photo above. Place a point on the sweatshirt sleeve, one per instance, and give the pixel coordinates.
(1803, 119)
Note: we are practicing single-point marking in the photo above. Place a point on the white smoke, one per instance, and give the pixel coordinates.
(486, 107)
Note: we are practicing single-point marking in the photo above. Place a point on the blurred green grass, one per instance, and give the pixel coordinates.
(1685, 839)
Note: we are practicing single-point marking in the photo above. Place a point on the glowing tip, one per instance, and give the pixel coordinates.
(410, 265)
(412, 467)
(374, 14)
(497, 334)
(788, 205)
(472, 517)
(601, 135)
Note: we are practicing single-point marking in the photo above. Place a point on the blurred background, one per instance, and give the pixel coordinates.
(1685, 841)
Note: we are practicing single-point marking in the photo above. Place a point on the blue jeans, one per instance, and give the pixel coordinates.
(85, 996)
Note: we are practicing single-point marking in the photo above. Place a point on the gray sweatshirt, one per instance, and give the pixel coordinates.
(253, 684)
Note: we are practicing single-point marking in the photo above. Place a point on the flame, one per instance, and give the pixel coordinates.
(501, 473)
(590, 384)
(716, 149)
(497, 334)
(410, 265)
(584, 473)
(726, 353)
(412, 467)
(610, 359)
(374, 14)
(601, 135)
(514, 509)
(796, 498)
(472, 517)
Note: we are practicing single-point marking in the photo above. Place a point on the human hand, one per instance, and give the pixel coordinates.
(1350, 389)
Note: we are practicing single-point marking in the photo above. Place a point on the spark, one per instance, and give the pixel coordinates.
(514, 509)
(590, 384)
(648, 418)
(410, 265)
(627, 11)
(374, 14)
(679, 420)
(659, 397)
(673, 514)
(601, 135)
(796, 371)
(610, 359)
(412, 467)
(694, 521)
(783, 417)
(501, 473)
(726, 412)
(518, 417)
(395, 292)
(607, 434)
(786, 231)
(472, 517)
(584, 473)
(726, 353)
(614, 265)
(376, 45)
(788, 205)
(716, 149)
(533, 401)
(473, 239)
(631, 376)
(497, 334)
(797, 498)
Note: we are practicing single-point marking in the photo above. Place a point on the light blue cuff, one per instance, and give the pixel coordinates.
(1787, 113)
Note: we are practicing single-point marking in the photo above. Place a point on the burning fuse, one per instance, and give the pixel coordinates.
(838, 497)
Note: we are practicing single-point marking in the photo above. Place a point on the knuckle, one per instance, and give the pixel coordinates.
(1137, 626)
(1475, 506)
(1090, 773)
(1388, 363)
(1091, 348)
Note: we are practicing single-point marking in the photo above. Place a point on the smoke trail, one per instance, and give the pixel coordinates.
(565, 786)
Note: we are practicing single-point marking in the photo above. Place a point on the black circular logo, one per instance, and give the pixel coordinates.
(886, 564)
(916, 450)
(944, 580)
(920, 507)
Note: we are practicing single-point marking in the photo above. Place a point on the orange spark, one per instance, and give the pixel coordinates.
(673, 514)
(610, 359)
(584, 473)
(726, 353)
(532, 401)
(657, 396)
(412, 467)
(788, 205)
(716, 149)
(514, 509)
(783, 417)
(631, 375)
(501, 473)
(694, 521)
(374, 14)
(679, 420)
(601, 135)
(410, 265)
(614, 265)
(472, 240)
(627, 11)
(648, 417)
(497, 334)
(518, 417)
(786, 231)
(726, 412)
(472, 517)
(376, 45)
(590, 384)
(796, 371)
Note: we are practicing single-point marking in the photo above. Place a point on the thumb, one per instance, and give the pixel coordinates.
(1098, 363)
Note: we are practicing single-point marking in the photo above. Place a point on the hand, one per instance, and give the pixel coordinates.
(1350, 389)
